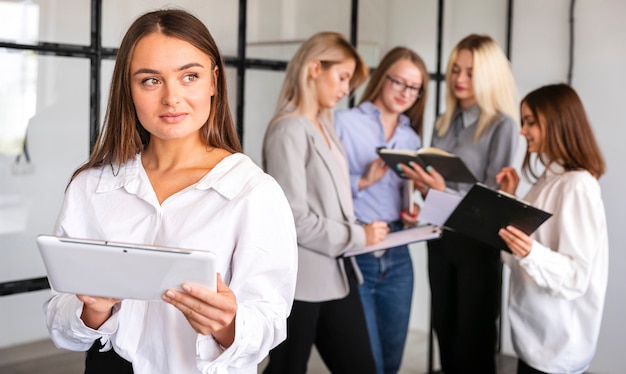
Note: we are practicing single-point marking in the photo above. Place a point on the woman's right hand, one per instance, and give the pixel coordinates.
(508, 179)
(96, 310)
(423, 178)
(375, 232)
(374, 173)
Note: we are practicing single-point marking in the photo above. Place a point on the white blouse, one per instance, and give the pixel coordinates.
(557, 292)
(236, 211)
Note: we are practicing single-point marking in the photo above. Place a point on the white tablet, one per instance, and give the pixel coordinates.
(122, 270)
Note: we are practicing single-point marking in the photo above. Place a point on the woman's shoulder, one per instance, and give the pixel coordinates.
(578, 181)
(245, 173)
(288, 122)
(89, 174)
(292, 126)
(580, 178)
(503, 119)
(107, 176)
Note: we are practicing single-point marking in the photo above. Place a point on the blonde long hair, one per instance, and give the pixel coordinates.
(494, 85)
(298, 93)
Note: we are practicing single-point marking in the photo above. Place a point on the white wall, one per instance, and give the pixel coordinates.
(539, 56)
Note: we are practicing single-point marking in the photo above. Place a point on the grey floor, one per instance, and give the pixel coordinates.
(43, 357)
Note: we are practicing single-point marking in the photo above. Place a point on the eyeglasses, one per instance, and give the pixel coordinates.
(399, 86)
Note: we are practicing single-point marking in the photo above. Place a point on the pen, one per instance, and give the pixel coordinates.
(411, 189)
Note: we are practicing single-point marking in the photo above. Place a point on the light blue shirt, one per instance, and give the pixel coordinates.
(361, 132)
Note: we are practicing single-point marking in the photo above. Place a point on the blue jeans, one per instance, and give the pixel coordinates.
(386, 295)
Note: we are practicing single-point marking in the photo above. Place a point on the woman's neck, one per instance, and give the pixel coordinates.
(389, 119)
(467, 103)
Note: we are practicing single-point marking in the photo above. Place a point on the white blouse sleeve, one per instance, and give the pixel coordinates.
(580, 225)
(264, 267)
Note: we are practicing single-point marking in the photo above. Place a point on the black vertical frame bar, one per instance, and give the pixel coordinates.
(95, 68)
(439, 74)
(241, 65)
(509, 29)
(354, 33)
(439, 77)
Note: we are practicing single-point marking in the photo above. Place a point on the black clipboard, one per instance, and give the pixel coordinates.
(483, 211)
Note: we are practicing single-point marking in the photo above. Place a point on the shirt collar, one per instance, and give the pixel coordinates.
(372, 110)
(470, 115)
(554, 168)
(131, 175)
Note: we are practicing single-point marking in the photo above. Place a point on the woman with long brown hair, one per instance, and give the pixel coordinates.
(559, 273)
(167, 171)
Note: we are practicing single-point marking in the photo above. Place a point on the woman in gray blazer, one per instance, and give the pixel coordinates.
(302, 152)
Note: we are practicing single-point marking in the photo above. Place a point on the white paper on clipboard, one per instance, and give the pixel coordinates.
(437, 207)
(394, 239)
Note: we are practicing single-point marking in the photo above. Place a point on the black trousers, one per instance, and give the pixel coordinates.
(338, 330)
(523, 368)
(465, 283)
(108, 362)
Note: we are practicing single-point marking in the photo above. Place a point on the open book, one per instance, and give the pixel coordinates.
(481, 213)
(450, 166)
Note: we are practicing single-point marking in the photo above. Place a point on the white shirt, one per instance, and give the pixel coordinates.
(236, 211)
(557, 292)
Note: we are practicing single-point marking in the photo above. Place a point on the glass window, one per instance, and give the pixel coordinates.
(262, 89)
(276, 28)
(57, 142)
(481, 17)
(383, 25)
(219, 16)
(60, 21)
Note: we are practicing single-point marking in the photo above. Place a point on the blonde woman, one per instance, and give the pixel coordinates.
(303, 153)
(480, 125)
(390, 115)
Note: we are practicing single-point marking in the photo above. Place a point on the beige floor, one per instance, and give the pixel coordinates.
(42, 357)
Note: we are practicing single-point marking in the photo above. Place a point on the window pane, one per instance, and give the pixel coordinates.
(60, 21)
(32, 183)
(262, 89)
(277, 27)
(481, 17)
(386, 24)
(218, 15)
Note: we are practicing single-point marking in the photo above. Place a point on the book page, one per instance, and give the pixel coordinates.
(433, 151)
(437, 207)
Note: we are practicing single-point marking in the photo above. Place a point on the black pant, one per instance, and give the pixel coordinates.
(465, 283)
(108, 362)
(523, 368)
(338, 330)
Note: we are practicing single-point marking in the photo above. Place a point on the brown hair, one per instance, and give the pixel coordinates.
(122, 136)
(568, 137)
(377, 79)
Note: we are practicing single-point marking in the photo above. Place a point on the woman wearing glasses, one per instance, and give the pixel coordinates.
(480, 126)
(389, 115)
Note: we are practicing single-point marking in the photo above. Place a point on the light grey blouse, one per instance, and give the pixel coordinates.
(486, 157)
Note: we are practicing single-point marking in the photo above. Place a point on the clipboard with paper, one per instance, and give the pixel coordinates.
(481, 213)
(397, 238)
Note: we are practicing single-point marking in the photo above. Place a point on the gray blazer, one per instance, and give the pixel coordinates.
(296, 155)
